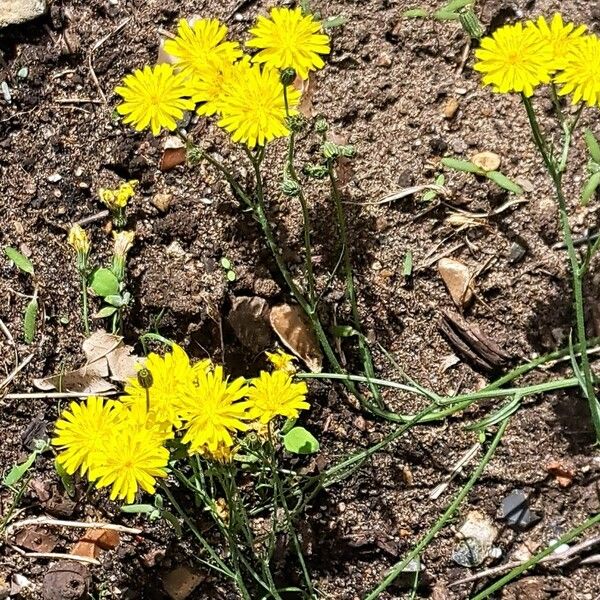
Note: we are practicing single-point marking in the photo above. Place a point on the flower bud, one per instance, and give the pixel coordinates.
(315, 171)
(330, 150)
(470, 23)
(79, 240)
(321, 125)
(145, 378)
(290, 187)
(294, 123)
(123, 240)
(347, 151)
(287, 76)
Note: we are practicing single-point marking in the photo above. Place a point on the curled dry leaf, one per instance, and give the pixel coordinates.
(458, 280)
(344, 170)
(66, 580)
(249, 319)
(488, 161)
(295, 332)
(307, 89)
(174, 154)
(105, 354)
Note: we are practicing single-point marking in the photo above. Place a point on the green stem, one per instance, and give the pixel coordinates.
(291, 171)
(84, 302)
(350, 289)
(556, 176)
(517, 571)
(418, 549)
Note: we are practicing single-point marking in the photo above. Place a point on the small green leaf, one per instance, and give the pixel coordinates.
(415, 13)
(18, 471)
(343, 331)
(455, 5)
(104, 312)
(29, 321)
(590, 188)
(230, 276)
(300, 441)
(407, 267)
(65, 478)
(21, 261)
(444, 15)
(440, 179)
(592, 144)
(104, 283)
(137, 508)
(287, 426)
(466, 166)
(333, 22)
(504, 182)
(225, 263)
(115, 300)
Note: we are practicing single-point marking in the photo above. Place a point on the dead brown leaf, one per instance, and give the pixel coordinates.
(249, 319)
(344, 170)
(295, 332)
(307, 89)
(458, 280)
(174, 154)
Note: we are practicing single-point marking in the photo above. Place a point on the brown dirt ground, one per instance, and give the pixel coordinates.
(387, 82)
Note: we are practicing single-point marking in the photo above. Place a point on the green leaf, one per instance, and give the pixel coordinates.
(65, 478)
(225, 263)
(18, 471)
(504, 182)
(440, 179)
(115, 300)
(343, 331)
(230, 276)
(444, 15)
(29, 321)
(415, 13)
(300, 441)
(21, 261)
(592, 144)
(455, 5)
(590, 188)
(333, 22)
(407, 267)
(137, 508)
(104, 312)
(104, 283)
(466, 166)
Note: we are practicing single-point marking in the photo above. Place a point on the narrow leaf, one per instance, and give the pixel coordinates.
(504, 182)
(65, 478)
(29, 321)
(333, 22)
(466, 166)
(407, 267)
(456, 5)
(444, 15)
(343, 331)
(104, 283)
(21, 261)
(590, 188)
(18, 471)
(300, 441)
(106, 311)
(592, 144)
(137, 508)
(415, 13)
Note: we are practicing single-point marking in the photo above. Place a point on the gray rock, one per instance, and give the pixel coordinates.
(515, 509)
(13, 12)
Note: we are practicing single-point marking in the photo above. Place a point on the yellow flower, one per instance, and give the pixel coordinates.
(78, 240)
(273, 394)
(80, 431)
(213, 410)
(580, 75)
(123, 241)
(129, 459)
(558, 36)
(155, 97)
(198, 47)
(289, 39)
(514, 59)
(253, 107)
(118, 199)
(282, 361)
(210, 89)
(171, 377)
(222, 454)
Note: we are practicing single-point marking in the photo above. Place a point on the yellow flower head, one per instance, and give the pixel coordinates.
(213, 410)
(222, 454)
(129, 459)
(558, 36)
(198, 47)
(80, 431)
(580, 75)
(210, 89)
(155, 97)
(118, 199)
(171, 376)
(253, 107)
(273, 394)
(282, 361)
(289, 39)
(514, 59)
(78, 240)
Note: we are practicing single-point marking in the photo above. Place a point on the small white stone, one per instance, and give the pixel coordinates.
(54, 178)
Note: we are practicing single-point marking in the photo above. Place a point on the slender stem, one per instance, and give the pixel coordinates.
(350, 289)
(84, 301)
(516, 572)
(418, 549)
(291, 171)
(556, 176)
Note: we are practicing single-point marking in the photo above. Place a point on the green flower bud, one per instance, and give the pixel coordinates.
(321, 125)
(294, 123)
(290, 187)
(470, 23)
(287, 76)
(145, 378)
(315, 171)
(347, 151)
(330, 150)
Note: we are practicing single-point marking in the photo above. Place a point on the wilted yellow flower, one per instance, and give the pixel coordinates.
(282, 361)
(289, 39)
(199, 47)
(213, 410)
(118, 199)
(154, 97)
(253, 106)
(129, 459)
(580, 74)
(273, 394)
(514, 59)
(78, 240)
(81, 430)
(558, 37)
(123, 241)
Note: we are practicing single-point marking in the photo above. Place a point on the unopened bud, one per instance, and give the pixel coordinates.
(79, 240)
(347, 151)
(294, 123)
(145, 378)
(470, 23)
(315, 171)
(290, 187)
(287, 76)
(330, 150)
(321, 125)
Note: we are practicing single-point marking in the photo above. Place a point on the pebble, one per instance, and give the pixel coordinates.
(516, 252)
(181, 582)
(54, 178)
(451, 108)
(515, 509)
(13, 12)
